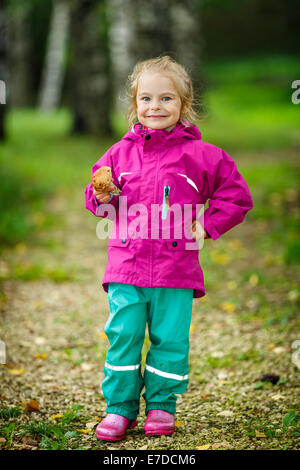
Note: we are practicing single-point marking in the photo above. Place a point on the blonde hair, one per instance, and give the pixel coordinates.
(176, 72)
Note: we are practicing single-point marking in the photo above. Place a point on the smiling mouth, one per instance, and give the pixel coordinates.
(156, 116)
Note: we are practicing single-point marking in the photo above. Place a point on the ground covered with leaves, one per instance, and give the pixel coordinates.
(243, 388)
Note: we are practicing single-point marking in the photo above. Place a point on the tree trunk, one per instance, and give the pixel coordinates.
(53, 72)
(19, 57)
(187, 39)
(121, 16)
(3, 68)
(141, 30)
(90, 72)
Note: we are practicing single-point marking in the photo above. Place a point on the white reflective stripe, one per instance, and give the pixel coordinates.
(126, 173)
(166, 374)
(191, 182)
(132, 129)
(119, 368)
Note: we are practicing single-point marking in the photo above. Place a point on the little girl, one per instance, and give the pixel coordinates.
(161, 165)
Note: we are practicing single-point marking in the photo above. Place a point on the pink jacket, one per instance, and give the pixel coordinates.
(161, 169)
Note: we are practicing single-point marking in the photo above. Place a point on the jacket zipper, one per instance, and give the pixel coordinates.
(166, 202)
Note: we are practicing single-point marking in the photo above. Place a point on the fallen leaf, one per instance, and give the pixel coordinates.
(204, 447)
(91, 424)
(56, 416)
(277, 397)
(16, 371)
(225, 413)
(31, 406)
(84, 431)
(179, 423)
(192, 328)
(102, 335)
(228, 307)
(40, 356)
(260, 434)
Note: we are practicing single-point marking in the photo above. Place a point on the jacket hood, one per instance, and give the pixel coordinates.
(184, 130)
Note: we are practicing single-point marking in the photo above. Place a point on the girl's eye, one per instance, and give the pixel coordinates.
(145, 98)
(166, 98)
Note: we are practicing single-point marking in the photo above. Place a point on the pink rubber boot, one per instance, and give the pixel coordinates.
(113, 427)
(159, 422)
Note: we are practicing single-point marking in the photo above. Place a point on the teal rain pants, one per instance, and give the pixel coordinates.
(168, 312)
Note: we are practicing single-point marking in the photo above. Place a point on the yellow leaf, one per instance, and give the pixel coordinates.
(253, 279)
(260, 434)
(16, 371)
(271, 346)
(228, 307)
(56, 416)
(179, 423)
(38, 303)
(192, 328)
(40, 356)
(84, 431)
(102, 335)
(204, 447)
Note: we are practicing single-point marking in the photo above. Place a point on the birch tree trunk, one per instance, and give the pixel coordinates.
(53, 72)
(187, 38)
(121, 15)
(90, 74)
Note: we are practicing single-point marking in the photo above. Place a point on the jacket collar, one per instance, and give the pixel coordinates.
(184, 130)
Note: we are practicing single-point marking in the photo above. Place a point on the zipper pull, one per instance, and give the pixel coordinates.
(166, 202)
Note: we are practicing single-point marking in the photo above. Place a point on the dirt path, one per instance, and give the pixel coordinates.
(56, 346)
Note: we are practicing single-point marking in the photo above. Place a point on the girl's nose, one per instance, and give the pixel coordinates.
(155, 105)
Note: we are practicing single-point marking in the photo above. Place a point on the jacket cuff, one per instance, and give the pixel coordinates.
(111, 196)
(210, 229)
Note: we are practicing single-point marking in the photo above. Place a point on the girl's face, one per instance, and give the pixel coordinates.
(158, 102)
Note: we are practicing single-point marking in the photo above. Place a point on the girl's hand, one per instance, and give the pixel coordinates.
(103, 196)
(198, 231)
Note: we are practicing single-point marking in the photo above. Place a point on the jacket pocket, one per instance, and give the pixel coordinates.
(182, 244)
(119, 242)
